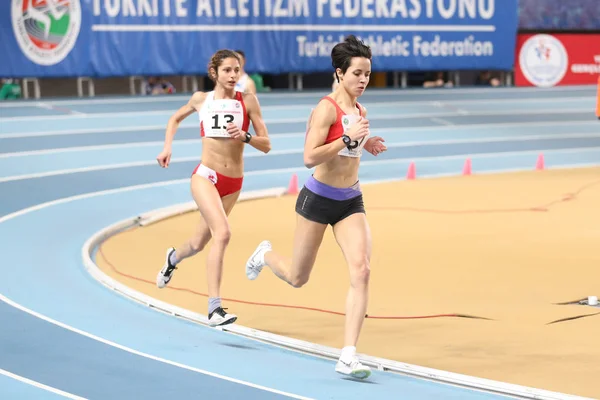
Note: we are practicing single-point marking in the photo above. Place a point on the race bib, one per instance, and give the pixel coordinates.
(218, 114)
(347, 122)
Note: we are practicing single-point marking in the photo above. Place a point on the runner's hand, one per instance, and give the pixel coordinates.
(164, 158)
(359, 130)
(375, 145)
(235, 132)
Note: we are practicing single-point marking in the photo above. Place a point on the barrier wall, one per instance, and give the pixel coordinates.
(99, 38)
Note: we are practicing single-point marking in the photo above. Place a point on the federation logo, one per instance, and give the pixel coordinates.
(46, 30)
(543, 60)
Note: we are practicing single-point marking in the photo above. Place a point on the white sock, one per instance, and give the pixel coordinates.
(262, 257)
(348, 353)
(173, 258)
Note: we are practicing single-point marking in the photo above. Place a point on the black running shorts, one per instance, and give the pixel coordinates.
(324, 210)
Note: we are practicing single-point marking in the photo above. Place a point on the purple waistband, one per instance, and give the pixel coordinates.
(332, 192)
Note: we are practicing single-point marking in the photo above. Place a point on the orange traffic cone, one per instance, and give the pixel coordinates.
(467, 167)
(412, 171)
(540, 165)
(293, 186)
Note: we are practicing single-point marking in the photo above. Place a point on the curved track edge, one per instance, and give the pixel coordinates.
(92, 244)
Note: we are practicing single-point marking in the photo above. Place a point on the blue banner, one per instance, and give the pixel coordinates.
(100, 38)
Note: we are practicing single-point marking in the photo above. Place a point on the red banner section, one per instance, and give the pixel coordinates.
(547, 60)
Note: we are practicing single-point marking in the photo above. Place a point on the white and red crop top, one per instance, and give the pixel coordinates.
(216, 114)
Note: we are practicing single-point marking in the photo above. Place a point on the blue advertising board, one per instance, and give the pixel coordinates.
(99, 38)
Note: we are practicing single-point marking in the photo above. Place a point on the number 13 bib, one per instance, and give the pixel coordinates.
(217, 114)
(347, 122)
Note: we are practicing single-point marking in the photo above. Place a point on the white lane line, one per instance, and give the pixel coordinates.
(299, 151)
(166, 113)
(40, 385)
(13, 135)
(142, 354)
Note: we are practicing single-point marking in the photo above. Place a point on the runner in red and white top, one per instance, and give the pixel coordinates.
(225, 116)
(338, 131)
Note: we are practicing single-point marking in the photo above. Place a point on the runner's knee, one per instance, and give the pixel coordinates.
(360, 272)
(222, 235)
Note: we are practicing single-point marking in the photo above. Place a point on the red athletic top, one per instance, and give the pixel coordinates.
(337, 130)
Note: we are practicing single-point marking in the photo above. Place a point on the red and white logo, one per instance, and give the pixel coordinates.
(46, 30)
(543, 60)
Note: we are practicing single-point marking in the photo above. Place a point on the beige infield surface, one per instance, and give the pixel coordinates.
(503, 247)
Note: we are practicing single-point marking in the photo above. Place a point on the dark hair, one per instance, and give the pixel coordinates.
(241, 53)
(217, 59)
(342, 53)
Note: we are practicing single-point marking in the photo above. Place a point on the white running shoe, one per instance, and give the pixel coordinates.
(220, 317)
(256, 262)
(166, 273)
(354, 368)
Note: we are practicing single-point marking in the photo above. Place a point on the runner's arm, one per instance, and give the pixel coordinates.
(315, 150)
(261, 141)
(192, 106)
